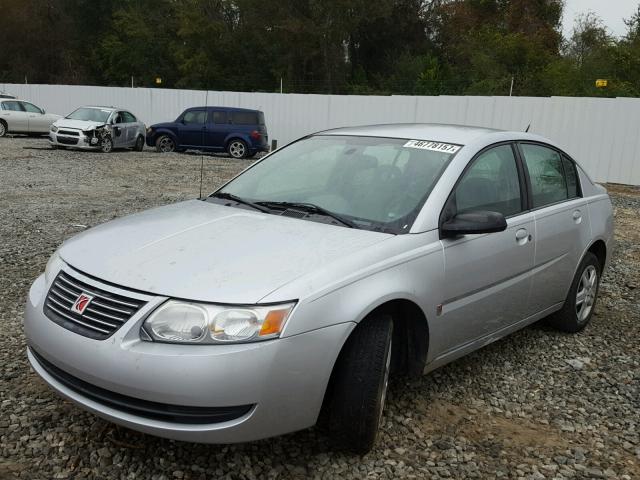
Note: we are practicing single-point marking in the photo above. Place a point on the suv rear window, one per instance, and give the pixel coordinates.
(246, 118)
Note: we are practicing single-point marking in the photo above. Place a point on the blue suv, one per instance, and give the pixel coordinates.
(238, 131)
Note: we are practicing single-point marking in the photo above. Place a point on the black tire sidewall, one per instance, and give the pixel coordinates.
(4, 130)
(566, 319)
(358, 384)
(139, 144)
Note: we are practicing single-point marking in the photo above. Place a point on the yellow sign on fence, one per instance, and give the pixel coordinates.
(602, 83)
(158, 80)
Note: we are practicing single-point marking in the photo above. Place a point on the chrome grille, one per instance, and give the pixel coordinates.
(105, 313)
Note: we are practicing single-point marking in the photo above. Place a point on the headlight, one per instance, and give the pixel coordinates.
(54, 129)
(53, 267)
(197, 323)
(149, 130)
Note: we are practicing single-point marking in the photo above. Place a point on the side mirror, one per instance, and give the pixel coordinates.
(43, 111)
(473, 223)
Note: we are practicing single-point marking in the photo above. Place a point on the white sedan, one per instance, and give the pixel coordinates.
(17, 116)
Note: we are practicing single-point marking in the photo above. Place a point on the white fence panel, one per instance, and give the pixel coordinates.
(601, 133)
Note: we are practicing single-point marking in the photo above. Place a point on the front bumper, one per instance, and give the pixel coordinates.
(80, 141)
(281, 383)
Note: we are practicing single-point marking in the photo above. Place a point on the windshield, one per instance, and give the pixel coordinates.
(376, 183)
(90, 115)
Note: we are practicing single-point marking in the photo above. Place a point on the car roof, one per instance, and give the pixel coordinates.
(230, 109)
(458, 134)
(98, 107)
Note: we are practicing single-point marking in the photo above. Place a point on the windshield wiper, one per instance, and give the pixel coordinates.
(310, 208)
(235, 198)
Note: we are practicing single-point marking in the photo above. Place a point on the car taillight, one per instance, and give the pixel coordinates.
(256, 135)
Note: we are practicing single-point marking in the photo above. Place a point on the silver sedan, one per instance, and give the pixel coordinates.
(17, 116)
(307, 280)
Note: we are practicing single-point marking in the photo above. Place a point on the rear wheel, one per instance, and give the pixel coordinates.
(237, 148)
(106, 145)
(165, 144)
(3, 128)
(139, 146)
(581, 301)
(359, 385)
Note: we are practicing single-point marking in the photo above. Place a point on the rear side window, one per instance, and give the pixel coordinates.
(194, 116)
(572, 177)
(491, 183)
(219, 117)
(245, 118)
(548, 183)
(12, 106)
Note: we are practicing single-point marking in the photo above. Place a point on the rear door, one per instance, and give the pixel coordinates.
(217, 129)
(38, 121)
(14, 114)
(119, 130)
(488, 276)
(562, 223)
(131, 127)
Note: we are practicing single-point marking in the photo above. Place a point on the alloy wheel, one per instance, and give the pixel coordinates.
(237, 149)
(586, 294)
(166, 145)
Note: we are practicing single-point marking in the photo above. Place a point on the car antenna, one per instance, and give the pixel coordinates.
(528, 127)
(204, 125)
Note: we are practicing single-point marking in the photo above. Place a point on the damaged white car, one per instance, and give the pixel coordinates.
(98, 128)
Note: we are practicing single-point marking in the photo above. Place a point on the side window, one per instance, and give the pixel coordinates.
(13, 106)
(219, 117)
(571, 174)
(119, 118)
(245, 118)
(548, 184)
(491, 183)
(30, 107)
(194, 116)
(128, 117)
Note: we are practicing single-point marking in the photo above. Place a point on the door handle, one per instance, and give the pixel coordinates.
(577, 216)
(522, 236)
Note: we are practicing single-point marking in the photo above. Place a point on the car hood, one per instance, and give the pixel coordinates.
(207, 252)
(163, 125)
(78, 124)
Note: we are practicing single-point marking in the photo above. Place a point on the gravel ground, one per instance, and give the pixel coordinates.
(536, 405)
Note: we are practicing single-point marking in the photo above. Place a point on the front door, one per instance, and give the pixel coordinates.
(38, 121)
(488, 276)
(192, 128)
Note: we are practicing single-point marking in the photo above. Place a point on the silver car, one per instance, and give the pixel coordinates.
(98, 128)
(18, 116)
(306, 280)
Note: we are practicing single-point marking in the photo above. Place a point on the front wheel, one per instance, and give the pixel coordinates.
(237, 149)
(581, 301)
(165, 144)
(359, 385)
(106, 145)
(3, 129)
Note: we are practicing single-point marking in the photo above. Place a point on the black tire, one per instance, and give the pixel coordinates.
(237, 148)
(574, 315)
(165, 144)
(139, 146)
(106, 145)
(3, 128)
(359, 385)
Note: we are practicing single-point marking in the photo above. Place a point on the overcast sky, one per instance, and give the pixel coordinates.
(612, 13)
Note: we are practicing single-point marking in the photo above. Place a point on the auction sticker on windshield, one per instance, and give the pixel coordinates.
(434, 146)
